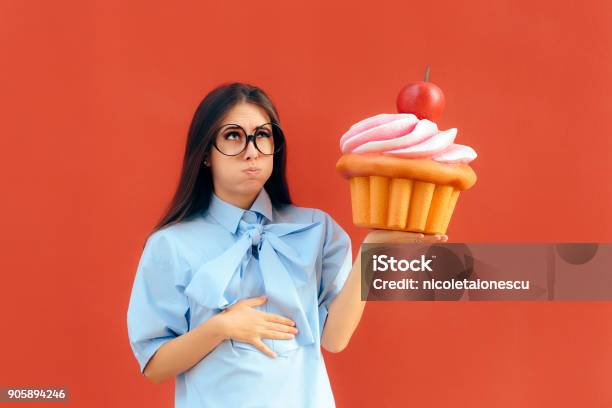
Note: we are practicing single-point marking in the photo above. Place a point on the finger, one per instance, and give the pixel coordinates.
(391, 236)
(256, 301)
(281, 328)
(444, 238)
(271, 334)
(406, 236)
(263, 348)
(271, 317)
(432, 238)
(419, 238)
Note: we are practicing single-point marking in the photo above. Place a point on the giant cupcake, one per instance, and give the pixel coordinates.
(404, 173)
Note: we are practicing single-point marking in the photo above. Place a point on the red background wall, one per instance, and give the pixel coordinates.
(96, 100)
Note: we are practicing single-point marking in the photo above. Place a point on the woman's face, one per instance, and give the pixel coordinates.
(230, 179)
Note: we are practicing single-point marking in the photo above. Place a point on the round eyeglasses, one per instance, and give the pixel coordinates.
(232, 139)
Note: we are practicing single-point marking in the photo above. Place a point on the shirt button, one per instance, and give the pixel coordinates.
(249, 217)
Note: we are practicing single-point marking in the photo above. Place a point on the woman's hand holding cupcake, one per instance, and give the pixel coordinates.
(380, 236)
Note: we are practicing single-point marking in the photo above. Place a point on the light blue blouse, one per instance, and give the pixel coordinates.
(299, 257)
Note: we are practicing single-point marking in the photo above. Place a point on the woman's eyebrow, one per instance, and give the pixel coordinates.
(266, 125)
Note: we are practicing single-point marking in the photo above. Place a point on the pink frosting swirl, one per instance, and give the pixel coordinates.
(404, 135)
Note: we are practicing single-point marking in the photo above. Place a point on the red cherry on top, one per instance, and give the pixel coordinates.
(423, 99)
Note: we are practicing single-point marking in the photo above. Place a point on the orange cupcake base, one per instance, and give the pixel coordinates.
(402, 204)
(400, 194)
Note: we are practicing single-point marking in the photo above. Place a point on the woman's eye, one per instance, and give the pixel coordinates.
(232, 135)
(263, 133)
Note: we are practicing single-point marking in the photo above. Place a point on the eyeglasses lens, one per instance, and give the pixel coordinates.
(232, 140)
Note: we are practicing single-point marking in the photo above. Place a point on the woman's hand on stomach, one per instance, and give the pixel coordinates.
(242, 322)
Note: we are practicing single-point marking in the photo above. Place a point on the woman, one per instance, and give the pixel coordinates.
(238, 289)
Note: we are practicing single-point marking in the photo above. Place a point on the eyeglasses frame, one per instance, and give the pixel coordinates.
(251, 137)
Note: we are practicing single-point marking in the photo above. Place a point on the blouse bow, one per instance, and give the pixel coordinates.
(281, 265)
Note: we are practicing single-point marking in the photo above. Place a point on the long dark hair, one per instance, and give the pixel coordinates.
(195, 185)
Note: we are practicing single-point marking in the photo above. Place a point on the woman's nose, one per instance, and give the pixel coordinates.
(251, 151)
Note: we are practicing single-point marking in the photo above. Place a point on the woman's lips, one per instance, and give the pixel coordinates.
(252, 172)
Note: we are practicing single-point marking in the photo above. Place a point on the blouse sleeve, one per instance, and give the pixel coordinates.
(158, 308)
(337, 263)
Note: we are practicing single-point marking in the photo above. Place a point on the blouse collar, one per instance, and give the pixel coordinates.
(229, 215)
